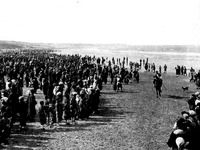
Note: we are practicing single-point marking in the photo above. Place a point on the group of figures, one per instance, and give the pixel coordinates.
(186, 130)
(71, 85)
(195, 77)
(181, 70)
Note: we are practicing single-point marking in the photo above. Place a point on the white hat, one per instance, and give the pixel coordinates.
(197, 93)
(178, 131)
(74, 93)
(180, 142)
(13, 81)
(197, 101)
(60, 83)
(192, 112)
(58, 93)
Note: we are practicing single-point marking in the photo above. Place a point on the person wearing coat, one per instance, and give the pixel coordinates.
(31, 101)
(22, 112)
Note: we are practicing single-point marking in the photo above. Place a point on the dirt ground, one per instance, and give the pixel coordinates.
(133, 119)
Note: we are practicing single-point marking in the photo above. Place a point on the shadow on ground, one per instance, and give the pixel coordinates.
(36, 138)
(31, 139)
(175, 97)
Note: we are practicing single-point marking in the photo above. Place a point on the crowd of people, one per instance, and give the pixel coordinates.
(151, 67)
(71, 86)
(186, 130)
(181, 70)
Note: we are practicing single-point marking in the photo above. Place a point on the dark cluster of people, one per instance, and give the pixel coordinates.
(195, 77)
(181, 70)
(71, 85)
(186, 130)
(151, 67)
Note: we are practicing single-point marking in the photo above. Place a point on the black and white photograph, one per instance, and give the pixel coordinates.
(99, 74)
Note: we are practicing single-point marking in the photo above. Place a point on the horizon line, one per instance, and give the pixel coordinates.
(79, 43)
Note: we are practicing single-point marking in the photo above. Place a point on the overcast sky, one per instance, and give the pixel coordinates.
(101, 21)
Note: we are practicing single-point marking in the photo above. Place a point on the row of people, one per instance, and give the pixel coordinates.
(186, 130)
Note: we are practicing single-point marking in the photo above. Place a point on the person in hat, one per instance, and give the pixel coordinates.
(180, 129)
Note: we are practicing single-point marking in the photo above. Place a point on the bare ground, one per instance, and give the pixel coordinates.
(133, 119)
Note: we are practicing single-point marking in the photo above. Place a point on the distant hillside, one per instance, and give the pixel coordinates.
(11, 45)
(24, 45)
(112, 47)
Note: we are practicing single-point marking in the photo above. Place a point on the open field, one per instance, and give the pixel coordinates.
(133, 119)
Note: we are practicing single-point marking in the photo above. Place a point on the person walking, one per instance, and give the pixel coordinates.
(158, 82)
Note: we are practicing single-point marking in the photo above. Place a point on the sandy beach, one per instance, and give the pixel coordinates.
(133, 119)
(162, 33)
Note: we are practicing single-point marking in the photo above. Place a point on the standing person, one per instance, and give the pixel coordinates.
(35, 85)
(160, 69)
(58, 107)
(165, 68)
(176, 68)
(13, 100)
(52, 113)
(22, 113)
(146, 66)
(31, 105)
(27, 80)
(115, 83)
(157, 82)
(185, 71)
(42, 114)
(140, 63)
(136, 75)
(45, 88)
(154, 68)
(127, 61)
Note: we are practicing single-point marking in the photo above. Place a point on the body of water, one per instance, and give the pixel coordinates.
(172, 56)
